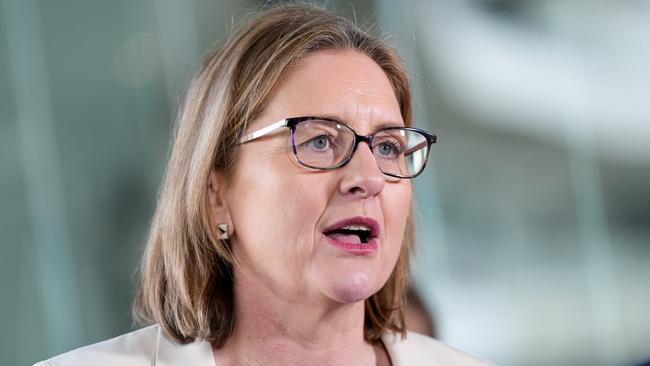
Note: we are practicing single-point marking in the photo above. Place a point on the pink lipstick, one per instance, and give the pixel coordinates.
(357, 235)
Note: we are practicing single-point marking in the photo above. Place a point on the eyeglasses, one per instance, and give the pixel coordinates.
(324, 143)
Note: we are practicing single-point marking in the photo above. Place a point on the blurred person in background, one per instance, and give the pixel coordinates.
(284, 225)
(416, 315)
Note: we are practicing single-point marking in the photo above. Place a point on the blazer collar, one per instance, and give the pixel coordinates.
(199, 353)
(169, 353)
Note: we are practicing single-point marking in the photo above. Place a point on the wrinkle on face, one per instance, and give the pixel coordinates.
(363, 96)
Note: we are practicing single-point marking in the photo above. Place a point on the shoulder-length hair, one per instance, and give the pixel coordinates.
(186, 275)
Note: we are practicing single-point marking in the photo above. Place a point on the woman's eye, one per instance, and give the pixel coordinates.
(388, 149)
(320, 142)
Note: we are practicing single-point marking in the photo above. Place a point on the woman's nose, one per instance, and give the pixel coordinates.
(362, 177)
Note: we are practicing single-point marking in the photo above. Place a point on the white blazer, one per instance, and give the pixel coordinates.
(150, 346)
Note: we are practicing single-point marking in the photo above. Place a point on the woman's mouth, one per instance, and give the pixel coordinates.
(356, 235)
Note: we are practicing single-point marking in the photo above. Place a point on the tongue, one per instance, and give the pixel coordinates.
(345, 238)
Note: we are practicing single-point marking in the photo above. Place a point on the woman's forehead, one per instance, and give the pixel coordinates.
(346, 85)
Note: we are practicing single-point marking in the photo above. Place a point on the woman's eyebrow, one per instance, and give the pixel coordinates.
(347, 122)
(389, 124)
(332, 116)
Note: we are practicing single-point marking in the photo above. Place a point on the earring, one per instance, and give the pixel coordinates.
(223, 231)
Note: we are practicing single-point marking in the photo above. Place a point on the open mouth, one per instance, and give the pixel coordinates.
(350, 234)
(353, 231)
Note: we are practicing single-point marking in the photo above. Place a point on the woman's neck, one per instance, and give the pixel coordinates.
(273, 331)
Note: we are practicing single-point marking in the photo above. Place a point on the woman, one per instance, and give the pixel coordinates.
(283, 230)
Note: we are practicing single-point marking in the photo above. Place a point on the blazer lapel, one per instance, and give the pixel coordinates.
(169, 353)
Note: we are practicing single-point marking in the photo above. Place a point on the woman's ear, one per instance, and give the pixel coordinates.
(218, 203)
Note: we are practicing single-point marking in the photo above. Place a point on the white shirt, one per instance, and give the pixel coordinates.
(151, 347)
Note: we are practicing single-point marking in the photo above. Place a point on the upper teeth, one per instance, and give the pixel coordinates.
(356, 227)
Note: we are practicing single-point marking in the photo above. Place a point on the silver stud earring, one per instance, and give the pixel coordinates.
(223, 231)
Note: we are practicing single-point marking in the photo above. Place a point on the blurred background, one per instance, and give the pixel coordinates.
(534, 214)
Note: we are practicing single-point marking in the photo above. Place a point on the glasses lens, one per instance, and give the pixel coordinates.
(400, 152)
(321, 143)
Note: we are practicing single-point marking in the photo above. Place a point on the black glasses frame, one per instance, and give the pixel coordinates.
(291, 123)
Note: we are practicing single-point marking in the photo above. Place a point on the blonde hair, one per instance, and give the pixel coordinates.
(186, 275)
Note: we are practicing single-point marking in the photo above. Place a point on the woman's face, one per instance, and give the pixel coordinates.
(285, 216)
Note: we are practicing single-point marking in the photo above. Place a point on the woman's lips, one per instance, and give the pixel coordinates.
(370, 223)
(352, 243)
(356, 235)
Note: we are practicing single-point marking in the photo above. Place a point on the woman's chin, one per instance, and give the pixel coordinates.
(352, 288)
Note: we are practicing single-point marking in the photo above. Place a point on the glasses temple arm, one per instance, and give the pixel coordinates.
(263, 131)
